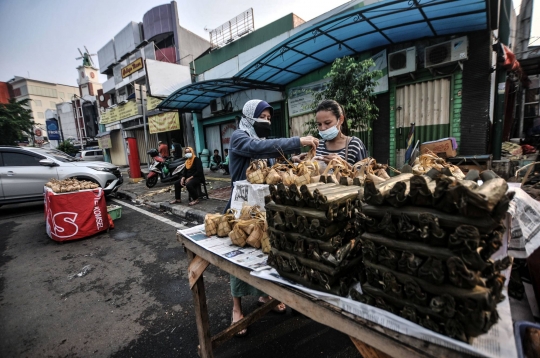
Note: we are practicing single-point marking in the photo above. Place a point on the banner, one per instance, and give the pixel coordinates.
(152, 102)
(381, 64)
(164, 122)
(301, 98)
(52, 129)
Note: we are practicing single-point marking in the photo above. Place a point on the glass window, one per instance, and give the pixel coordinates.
(20, 160)
(40, 115)
(53, 105)
(61, 156)
(61, 95)
(37, 102)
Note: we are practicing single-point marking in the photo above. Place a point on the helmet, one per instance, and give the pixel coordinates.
(153, 152)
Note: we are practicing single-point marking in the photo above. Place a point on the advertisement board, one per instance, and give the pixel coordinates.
(52, 129)
(164, 122)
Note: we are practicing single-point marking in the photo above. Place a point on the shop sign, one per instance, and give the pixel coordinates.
(109, 116)
(127, 110)
(152, 102)
(226, 132)
(163, 122)
(132, 67)
(105, 142)
(380, 64)
(301, 98)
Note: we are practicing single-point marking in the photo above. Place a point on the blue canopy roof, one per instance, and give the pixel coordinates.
(380, 24)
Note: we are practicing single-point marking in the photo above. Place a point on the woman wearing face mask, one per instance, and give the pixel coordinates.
(247, 143)
(330, 118)
(192, 178)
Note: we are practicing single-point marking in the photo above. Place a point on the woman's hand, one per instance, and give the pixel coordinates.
(298, 158)
(309, 141)
(183, 181)
(188, 179)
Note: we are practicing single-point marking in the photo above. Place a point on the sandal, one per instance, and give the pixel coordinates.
(281, 308)
(243, 332)
(176, 201)
(194, 202)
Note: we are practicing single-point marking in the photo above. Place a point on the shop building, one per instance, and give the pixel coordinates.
(436, 57)
(144, 63)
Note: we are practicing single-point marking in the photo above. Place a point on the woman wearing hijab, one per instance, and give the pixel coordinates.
(247, 143)
(192, 178)
(331, 123)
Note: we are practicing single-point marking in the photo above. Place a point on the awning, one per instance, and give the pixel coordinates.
(102, 134)
(380, 24)
(196, 96)
(358, 30)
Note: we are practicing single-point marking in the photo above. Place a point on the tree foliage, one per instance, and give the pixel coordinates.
(16, 121)
(67, 147)
(351, 85)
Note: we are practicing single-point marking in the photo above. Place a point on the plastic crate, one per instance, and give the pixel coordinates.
(115, 211)
(519, 333)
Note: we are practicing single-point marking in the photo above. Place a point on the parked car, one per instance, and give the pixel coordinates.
(25, 170)
(90, 155)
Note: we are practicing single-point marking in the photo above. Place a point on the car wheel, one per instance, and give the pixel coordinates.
(150, 182)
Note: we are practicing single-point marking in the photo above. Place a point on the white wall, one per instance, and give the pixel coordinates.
(240, 98)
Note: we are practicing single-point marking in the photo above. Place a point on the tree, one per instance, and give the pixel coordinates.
(15, 120)
(351, 85)
(67, 147)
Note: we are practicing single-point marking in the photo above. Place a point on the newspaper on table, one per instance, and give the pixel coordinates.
(525, 224)
(253, 194)
(497, 343)
(247, 256)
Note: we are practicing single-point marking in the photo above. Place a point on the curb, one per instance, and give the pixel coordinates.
(180, 211)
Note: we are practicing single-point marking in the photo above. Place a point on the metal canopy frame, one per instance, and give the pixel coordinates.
(377, 23)
(196, 96)
(349, 33)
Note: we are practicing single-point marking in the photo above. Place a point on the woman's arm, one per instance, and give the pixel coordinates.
(246, 146)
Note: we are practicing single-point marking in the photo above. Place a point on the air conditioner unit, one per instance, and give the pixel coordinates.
(446, 52)
(401, 62)
(216, 105)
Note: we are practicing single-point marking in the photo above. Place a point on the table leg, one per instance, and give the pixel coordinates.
(368, 351)
(201, 315)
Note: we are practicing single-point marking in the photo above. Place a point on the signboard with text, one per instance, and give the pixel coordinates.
(132, 67)
(163, 122)
(301, 98)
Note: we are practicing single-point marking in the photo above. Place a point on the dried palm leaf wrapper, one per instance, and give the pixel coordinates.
(211, 223)
(430, 160)
(274, 176)
(238, 236)
(288, 177)
(303, 175)
(226, 223)
(256, 172)
(265, 243)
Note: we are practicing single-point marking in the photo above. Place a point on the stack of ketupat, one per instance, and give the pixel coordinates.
(426, 243)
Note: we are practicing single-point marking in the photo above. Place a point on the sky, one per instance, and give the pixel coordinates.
(39, 38)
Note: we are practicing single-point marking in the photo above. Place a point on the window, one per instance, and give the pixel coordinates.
(42, 91)
(40, 115)
(53, 105)
(61, 95)
(20, 160)
(37, 102)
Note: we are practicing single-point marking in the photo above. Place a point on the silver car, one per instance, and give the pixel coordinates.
(90, 155)
(25, 170)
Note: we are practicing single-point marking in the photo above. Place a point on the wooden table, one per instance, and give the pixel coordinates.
(371, 339)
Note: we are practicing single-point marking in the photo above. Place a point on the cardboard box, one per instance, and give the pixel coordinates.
(443, 148)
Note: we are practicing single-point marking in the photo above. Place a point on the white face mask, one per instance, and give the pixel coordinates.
(189, 155)
(330, 133)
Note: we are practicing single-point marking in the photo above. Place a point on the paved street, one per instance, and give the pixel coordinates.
(132, 300)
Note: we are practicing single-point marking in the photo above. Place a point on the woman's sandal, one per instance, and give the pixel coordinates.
(194, 202)
(281, 308)
(243, 332)
(176, 201)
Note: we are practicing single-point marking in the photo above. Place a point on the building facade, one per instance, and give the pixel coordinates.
(144, 63)
(43, 95)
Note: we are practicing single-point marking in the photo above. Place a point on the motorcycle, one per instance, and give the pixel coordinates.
(168, 170)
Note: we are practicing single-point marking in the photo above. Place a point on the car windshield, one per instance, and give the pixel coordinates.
(61, 156)
(78, 155)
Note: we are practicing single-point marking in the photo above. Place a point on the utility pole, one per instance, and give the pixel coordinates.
(144, 124)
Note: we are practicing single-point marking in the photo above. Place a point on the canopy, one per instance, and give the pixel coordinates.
(196, 96)
(380, 24)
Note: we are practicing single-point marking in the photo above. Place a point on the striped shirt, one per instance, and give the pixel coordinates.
(357, 150)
